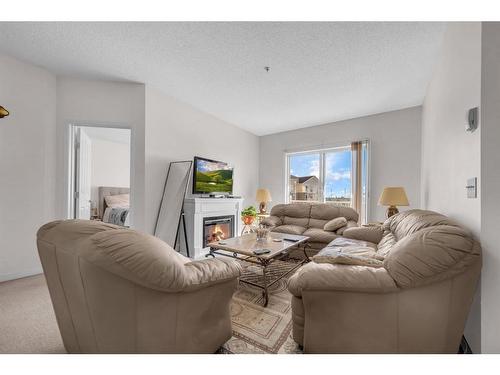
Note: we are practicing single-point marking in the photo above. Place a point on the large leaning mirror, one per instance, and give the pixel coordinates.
(171, 205)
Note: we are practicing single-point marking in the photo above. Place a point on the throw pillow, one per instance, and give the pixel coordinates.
(335, 224)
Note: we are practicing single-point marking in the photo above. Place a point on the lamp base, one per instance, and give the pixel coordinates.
(262, 208)
(391, 211)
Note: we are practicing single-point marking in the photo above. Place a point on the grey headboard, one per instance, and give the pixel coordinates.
(104, 191)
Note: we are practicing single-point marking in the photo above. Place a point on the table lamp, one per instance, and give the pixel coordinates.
(392, 197)
(3, 112)
(263, 196)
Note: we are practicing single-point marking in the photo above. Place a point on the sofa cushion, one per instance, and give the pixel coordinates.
(292, 210)
(335, 224)
(351, 242)
(317, 223)
(319, 235)
(289, 229)
(430, 255)
(278, 210)
(408, 222)
(298, 210)
(369, 233)
(315, 276)
(386, 243)
(299, 221)
(358, 256)
(271, 221)
(350, 251)
(329, 211)
(350, 224)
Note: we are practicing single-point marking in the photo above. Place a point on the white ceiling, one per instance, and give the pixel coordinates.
(320, 72)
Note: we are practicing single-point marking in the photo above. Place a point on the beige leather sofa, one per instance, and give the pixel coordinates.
(308, 219)
(417, 302)
(115, 290)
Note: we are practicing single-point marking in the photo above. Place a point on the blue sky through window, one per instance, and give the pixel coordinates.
(304, 165)
(337, 170)
(338, 174)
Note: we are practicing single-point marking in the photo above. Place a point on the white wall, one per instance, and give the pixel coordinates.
(490, 187)
(27, 164)
(450, 155)
(110, 166)
(109, 104)
(178, 131)
(394, 151)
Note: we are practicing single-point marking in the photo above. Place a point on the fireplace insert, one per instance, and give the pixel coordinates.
(217, 228)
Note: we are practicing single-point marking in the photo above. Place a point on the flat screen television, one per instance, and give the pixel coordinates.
(212, 176)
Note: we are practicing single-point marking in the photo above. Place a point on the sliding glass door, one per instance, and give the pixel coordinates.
(337, 175)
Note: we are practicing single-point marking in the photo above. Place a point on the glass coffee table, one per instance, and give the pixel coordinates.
(278, 244)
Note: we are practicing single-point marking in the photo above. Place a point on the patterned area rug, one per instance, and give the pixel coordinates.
(258, 329)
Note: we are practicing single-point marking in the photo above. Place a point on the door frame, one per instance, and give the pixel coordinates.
(69, 175)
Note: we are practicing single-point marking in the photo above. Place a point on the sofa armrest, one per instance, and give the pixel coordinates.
(370, 234)
(205, 272)
(271, 221)
(315, 276)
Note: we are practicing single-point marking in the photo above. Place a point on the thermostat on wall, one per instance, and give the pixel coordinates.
(473, 119)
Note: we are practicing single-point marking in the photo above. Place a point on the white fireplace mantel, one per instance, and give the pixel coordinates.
(196, 209)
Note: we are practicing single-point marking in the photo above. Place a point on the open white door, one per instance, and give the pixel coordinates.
(83, 165)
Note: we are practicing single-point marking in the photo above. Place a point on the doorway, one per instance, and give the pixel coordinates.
(100, 173)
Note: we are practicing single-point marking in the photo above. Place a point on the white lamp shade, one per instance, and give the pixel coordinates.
(263, 195)
(393, 196)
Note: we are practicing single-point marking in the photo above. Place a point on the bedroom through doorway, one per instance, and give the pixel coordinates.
(100, 174)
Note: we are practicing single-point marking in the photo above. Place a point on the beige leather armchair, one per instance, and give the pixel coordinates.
(417, 302)
(115, 290)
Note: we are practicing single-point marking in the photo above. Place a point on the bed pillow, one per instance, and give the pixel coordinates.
(357, 256)
(119, 200)
(105, 216)
(335, 224)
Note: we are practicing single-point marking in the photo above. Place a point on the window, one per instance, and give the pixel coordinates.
(304, 177)
(337, 175)
(337, 179)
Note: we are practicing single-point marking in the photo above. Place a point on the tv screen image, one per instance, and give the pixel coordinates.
(211, 176)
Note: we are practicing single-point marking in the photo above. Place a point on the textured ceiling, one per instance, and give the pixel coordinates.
(319, 72)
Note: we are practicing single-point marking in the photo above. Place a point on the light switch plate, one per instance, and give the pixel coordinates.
(471, 187)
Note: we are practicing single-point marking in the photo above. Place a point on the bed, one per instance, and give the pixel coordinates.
(116, 213)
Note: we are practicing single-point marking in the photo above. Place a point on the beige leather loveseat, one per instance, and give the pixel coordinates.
(417, 302)
(115, 290)
(309, 219)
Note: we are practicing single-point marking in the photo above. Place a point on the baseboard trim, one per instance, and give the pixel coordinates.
(20, 275)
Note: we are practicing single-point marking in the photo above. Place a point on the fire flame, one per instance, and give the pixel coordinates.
(218, 233)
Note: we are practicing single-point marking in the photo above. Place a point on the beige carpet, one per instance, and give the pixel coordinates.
(28, 324)
(27, 320)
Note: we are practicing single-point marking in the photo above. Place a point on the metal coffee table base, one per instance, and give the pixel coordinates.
(273, 269)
